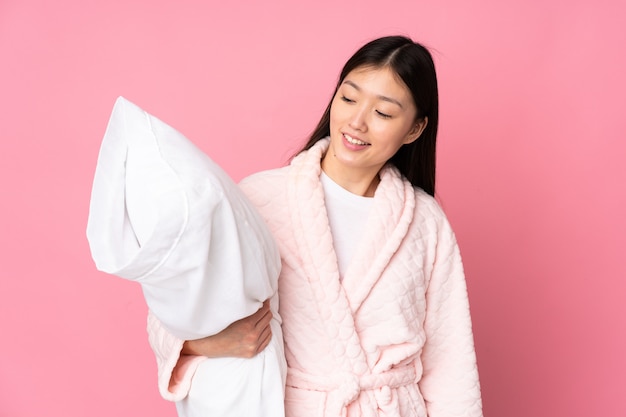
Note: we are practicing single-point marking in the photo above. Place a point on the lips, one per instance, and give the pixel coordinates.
(354, 141)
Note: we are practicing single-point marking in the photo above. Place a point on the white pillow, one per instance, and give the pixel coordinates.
(164, 214)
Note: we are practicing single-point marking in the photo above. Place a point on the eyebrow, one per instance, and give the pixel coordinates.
(381, 97)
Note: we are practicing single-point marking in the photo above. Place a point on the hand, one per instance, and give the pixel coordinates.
(244, 338)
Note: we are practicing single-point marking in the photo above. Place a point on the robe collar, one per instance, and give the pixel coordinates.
(384, 230)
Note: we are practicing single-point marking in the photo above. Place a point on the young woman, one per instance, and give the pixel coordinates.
(373, 301)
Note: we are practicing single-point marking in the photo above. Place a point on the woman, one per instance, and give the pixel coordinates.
(372, 294)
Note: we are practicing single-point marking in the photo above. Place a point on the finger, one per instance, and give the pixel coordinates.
(254, 318)
(262, 310)
(264, 321)
(267, 337)
(264, 333)
(263, 316)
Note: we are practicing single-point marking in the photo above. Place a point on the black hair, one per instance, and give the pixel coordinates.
(414, 66)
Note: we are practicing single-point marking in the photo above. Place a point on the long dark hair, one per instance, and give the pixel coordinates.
(414, 65)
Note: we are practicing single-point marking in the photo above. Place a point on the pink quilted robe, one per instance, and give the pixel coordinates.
(394, 337)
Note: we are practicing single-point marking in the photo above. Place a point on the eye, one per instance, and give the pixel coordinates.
(383, 115)
(346, 99)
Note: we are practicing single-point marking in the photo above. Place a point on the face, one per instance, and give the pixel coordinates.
(372, 115)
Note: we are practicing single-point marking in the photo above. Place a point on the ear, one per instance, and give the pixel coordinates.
(416, 131)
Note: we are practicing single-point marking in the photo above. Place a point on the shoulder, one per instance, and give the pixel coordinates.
(427, 205)
(265, 187)
(429, 214)
(270, 178)
(426, 202)
(262, 176)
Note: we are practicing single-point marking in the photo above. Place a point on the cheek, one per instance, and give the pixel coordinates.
(393, 135)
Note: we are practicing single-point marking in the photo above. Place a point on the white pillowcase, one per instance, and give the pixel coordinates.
(164, 214)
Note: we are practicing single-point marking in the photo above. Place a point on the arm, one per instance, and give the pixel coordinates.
(177, 360)
(450, 384)
(174, 370)
(244, 338)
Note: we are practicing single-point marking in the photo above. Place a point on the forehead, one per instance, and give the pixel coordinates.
(378, 82)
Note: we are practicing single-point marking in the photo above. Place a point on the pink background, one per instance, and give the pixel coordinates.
(531, 172)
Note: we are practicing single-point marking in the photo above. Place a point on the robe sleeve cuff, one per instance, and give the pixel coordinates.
(175, 371)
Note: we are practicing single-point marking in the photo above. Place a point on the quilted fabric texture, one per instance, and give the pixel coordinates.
(163, 214)
(394, 337)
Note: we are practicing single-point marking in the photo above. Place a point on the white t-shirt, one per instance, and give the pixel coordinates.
(347, 215)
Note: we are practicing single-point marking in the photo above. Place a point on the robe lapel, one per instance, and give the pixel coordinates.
(386, 227)
(318, 259)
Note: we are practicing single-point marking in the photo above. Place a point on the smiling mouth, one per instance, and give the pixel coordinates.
(354, 141)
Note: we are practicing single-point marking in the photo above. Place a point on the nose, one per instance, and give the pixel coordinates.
(358, 118)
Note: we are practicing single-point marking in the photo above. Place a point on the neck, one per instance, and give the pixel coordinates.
(359, 183)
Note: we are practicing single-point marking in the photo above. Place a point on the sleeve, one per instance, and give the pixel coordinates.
(174, 370)
(450, 383)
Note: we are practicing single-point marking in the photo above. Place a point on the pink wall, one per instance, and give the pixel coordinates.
(532, 169)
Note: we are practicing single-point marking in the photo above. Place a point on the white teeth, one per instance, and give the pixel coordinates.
(353, 141)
